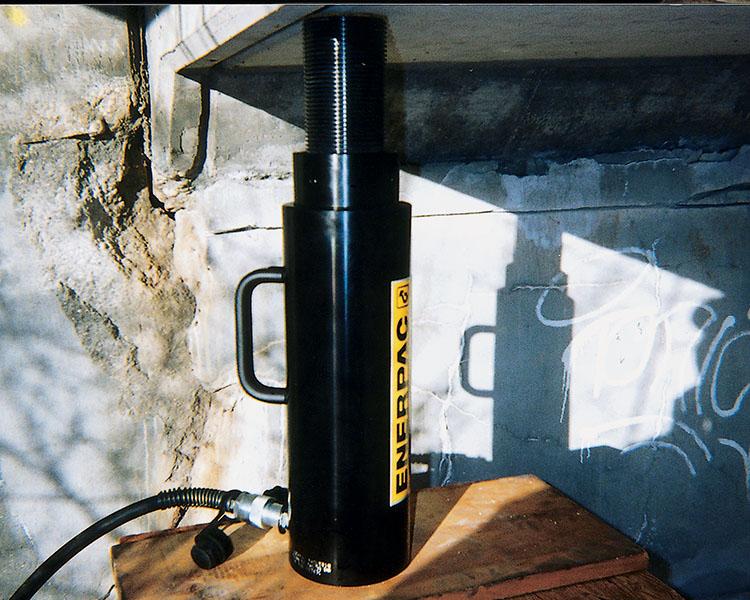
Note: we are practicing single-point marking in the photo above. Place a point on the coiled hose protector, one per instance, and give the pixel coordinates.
(178, 497)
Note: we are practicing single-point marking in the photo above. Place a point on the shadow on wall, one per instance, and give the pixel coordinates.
(619, 376)
(64, 448)
(512, 111)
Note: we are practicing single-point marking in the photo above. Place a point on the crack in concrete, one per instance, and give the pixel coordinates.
(453, 373)
(194, 430)
(106, 135)
(737, 187)
(647, 161)
(567, 286)
(684, 155)
(612, 207)
(264, 349)
(450, 404)
(462, 214)
(223, 387)
(108, 593)
(277, 175)
(248, 228)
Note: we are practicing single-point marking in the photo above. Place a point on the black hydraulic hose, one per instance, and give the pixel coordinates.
(183, 497)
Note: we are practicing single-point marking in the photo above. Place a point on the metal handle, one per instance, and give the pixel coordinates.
(244, 318)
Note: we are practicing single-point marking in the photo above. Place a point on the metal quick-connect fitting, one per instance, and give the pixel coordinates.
(258, 510)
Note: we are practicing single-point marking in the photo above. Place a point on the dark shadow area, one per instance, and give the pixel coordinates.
(123, 13)
(117, 11)
(199, 159)
(514, 112)
(245, 537)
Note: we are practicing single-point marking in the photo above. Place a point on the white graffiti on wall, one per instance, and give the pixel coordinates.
(632, 376)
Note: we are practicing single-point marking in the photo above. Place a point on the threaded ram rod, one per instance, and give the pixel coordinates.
(344, 68)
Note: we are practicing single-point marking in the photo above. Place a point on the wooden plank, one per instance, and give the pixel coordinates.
(634, 586)
(492, 539)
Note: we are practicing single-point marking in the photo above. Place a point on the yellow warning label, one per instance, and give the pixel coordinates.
(399, 390)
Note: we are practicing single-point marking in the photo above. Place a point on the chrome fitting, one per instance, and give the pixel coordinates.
(260, 511)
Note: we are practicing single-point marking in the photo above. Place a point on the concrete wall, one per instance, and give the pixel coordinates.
(583, 316)
(600, 347)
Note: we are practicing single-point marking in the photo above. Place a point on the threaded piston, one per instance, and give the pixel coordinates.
(344, 83)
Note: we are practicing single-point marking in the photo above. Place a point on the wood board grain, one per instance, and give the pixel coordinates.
(490, 539)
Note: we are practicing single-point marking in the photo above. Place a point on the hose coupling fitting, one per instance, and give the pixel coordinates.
(260, 511)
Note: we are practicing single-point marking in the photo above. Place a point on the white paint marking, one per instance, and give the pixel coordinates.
(697, 439)
(655, 445)
(648, 266)
(737, 405)
(566, 381)
(745, 460)
(727, 324)
(644, 524)
(710, 320)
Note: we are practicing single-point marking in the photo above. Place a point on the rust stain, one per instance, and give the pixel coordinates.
(700, 248)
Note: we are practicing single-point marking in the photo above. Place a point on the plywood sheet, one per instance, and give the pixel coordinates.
(634, 586)
(491, 539)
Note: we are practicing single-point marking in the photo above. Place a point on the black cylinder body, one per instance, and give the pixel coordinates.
(340, 269)
(346, 249)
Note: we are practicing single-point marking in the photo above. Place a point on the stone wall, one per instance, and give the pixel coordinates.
(100, 404)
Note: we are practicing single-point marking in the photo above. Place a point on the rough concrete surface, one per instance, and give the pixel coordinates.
(100, 404)
(582, 315)
(513, 112)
